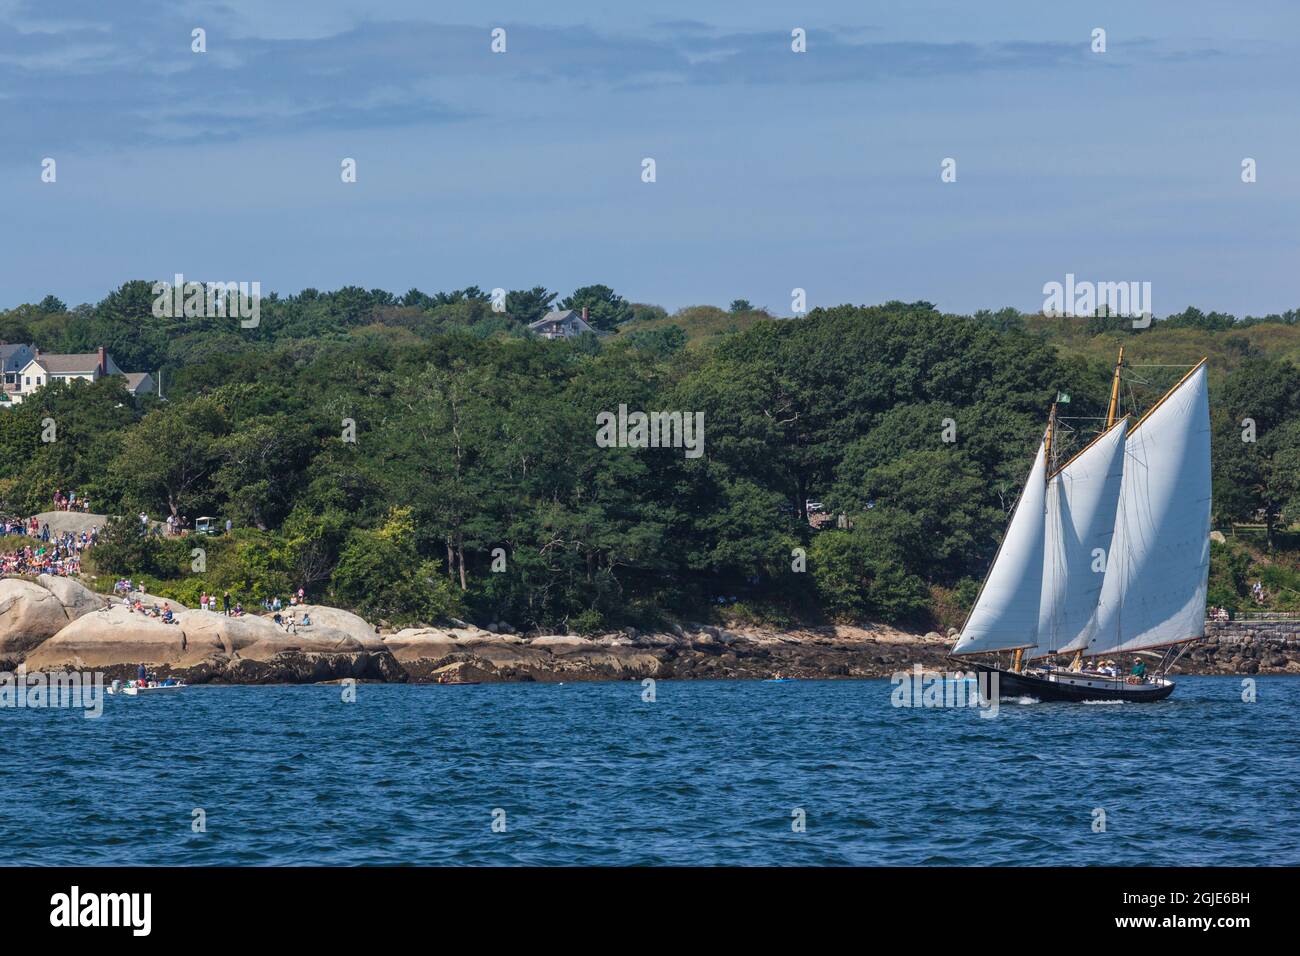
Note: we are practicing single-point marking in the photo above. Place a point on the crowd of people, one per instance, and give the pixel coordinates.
(133, 597)
(274, 606)
(163, 613)
(54, 552)
(71, 502)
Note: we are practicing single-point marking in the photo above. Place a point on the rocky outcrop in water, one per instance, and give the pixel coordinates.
(695, 651)
(205, 646)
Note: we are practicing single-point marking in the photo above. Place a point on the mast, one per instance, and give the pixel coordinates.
(1114, 390)
(1111, 412)
(1049, 460)
(1047, 440)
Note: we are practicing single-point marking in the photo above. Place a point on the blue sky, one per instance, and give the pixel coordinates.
(775, 170)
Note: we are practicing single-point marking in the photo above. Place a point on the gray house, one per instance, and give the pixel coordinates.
(13, 358)
(562, 325)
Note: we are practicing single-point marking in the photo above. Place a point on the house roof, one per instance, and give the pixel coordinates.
(71, 364)
(557, 316)
(135, 379)
(562, 317)
(10, 352)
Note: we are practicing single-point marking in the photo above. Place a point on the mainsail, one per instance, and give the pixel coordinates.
(1153, 592)
(1081, 501)
(1005, 615)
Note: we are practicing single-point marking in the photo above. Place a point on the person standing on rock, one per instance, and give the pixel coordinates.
(225, 603)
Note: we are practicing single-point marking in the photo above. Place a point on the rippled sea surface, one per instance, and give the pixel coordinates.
(709, 773)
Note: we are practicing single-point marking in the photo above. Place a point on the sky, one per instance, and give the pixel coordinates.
(774, 170)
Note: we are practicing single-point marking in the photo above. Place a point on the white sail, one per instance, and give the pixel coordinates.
(1153, 593)
(1080, 521)
(1005, 615)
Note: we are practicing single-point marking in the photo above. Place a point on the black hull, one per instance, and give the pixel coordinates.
(1072, 687)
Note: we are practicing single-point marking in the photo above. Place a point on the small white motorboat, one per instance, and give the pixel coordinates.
(134, 689)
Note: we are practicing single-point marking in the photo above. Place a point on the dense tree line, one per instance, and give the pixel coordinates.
(421, 456)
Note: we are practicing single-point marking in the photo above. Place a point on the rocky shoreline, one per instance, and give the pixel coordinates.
(55, 623)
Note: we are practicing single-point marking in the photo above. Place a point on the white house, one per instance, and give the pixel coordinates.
(41, 368)
(562, 325)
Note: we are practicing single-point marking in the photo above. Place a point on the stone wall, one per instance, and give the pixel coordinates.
(1285, 632)
(1245, 647)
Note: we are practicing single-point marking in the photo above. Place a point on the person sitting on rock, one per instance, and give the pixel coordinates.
(306, 619)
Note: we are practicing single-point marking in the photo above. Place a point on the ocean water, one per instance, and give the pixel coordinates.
(711, 772)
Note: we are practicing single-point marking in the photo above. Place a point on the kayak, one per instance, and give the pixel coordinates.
(779, 680)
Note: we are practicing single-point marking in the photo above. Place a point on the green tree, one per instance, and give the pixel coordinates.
(380, 573)
(606, 309)
(168, 459)
(529, 305)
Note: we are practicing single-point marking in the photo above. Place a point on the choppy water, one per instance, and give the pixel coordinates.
(710, 773)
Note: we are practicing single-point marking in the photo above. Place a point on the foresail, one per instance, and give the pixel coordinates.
(1153, 593)
(1005, 615)
(1079, 524)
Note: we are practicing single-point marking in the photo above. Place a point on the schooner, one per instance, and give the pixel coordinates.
(1106, 553)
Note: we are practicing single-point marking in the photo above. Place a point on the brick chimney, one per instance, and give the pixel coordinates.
(584, 313)
(103, 364)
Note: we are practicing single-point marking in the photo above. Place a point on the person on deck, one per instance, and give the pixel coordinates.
(1139, 671)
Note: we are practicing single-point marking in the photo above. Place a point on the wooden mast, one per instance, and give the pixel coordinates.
(1114, 391)
(1077, 663)
(1017, 662)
